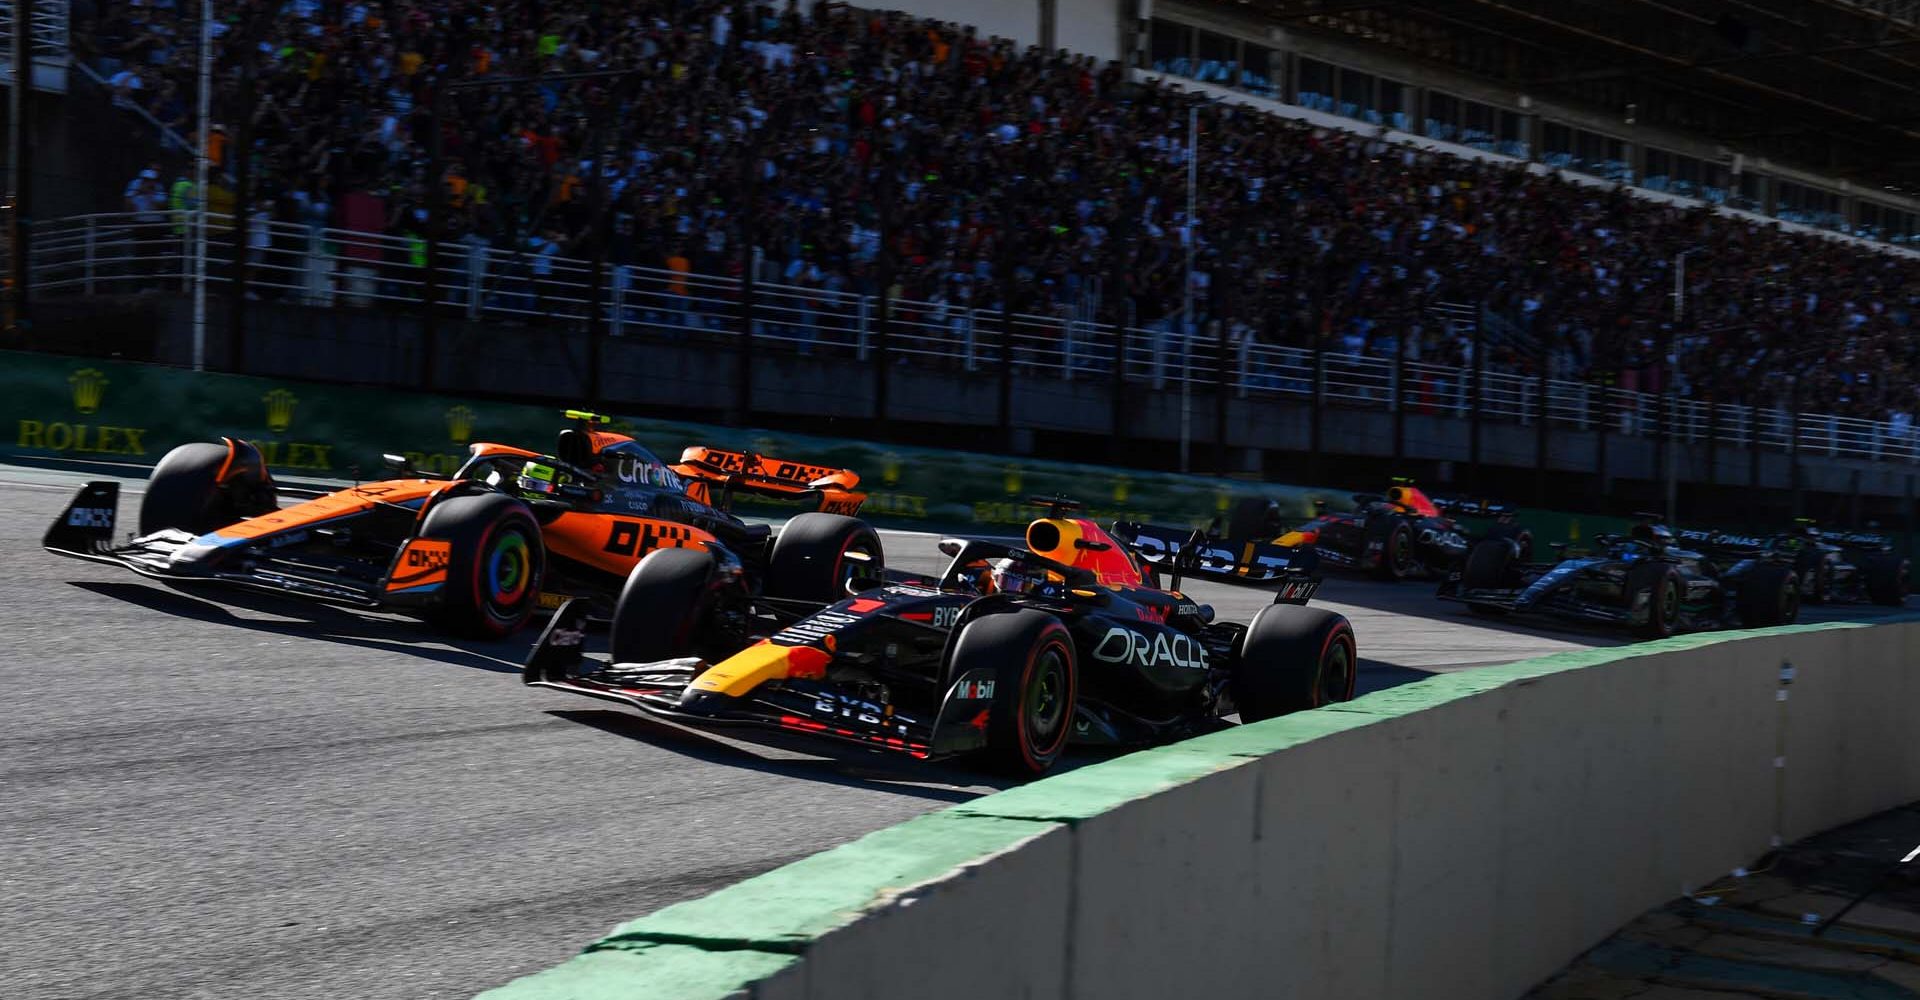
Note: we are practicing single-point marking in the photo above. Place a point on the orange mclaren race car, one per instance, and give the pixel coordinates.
(478, 552)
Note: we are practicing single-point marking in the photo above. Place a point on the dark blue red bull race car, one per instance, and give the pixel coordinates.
(1011, 652)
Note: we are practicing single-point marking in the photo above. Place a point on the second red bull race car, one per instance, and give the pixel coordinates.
(1011, 652)
(1395, 535)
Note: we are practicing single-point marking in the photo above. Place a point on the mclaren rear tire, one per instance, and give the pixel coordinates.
(1293, 658)
(1036, 690)
(817, 557)
(187, 490)
(658, 614)
(495, 564)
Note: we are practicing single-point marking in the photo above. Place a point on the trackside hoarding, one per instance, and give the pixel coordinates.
(54, 407)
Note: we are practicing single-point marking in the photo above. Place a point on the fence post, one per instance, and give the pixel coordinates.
(969, 328)
(618, 325)
(90, 253)
(1246, 357)
(861, 351)
(476, 274)
(1066, 349)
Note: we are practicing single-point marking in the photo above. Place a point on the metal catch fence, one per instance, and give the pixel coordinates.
(120, 253)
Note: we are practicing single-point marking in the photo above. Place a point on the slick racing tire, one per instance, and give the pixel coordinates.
(187, 492)
(1488, 566)
(1253, 517)
(1815, 573)
(1769, 595)
(1293, 658)
(809, 558)
(1030, 718)
(1661, 584)
(495, 564)
(1889, 579)
(1397, 558)
(1521, 538)
(658, 616)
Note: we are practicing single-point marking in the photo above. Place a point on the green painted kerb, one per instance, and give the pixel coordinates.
(719, 945)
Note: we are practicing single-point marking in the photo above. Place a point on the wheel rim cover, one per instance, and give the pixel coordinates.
(1046, 697)
(1334, 675)
(509, 569)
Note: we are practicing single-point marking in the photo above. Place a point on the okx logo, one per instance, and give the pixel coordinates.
(89, 388)
(423, 558)
(280, 404)
(460, 425)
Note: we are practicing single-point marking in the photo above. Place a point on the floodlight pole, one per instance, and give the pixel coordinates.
(1186, 302)
(1673, 381)
(20, 156)
(200, 188)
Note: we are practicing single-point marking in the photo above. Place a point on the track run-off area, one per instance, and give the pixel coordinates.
(213, 793)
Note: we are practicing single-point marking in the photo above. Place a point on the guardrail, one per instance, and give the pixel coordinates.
(122, 253)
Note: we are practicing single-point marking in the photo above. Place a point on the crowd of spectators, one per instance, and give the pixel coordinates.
(822, 132)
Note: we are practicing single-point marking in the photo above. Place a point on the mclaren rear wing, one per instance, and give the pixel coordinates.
(715, 477)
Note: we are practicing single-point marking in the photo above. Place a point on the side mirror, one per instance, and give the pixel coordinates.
(861, 584)
(1206, 613)
(398, 463)
(951, 546)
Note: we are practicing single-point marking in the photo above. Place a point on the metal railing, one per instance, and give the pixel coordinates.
(50, 29)
(119, 253)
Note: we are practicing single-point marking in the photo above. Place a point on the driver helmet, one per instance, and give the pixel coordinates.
(1009, 576)
(540, 478)
(1659, 536)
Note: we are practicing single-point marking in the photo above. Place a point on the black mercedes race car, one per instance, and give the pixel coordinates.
(1643, 580)
(1395, 535)
(1012, 652)
(1852, 567)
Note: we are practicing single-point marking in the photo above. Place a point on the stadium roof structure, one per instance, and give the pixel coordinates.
(1829, 86)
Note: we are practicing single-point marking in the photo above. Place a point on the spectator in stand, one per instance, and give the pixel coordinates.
(885, 148)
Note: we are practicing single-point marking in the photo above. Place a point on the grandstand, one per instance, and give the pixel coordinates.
(1366, 167)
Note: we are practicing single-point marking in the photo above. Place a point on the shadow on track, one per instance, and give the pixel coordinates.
(1379, 675)
(321, 622)
(853, 768)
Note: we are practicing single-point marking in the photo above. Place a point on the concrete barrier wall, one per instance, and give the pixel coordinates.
(1463, 837)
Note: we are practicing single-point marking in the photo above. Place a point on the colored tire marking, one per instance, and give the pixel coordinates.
(509, 569)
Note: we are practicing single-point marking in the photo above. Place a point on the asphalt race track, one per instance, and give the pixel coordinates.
(221, 794)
